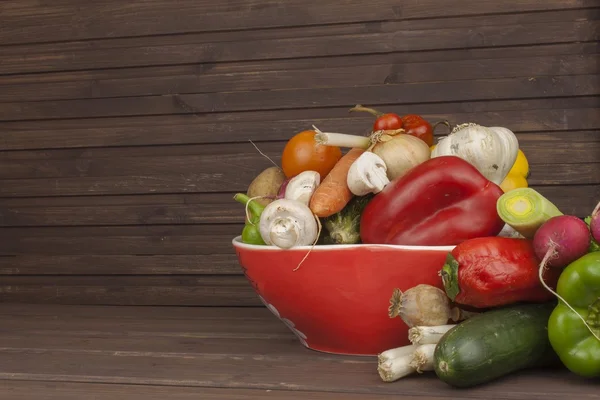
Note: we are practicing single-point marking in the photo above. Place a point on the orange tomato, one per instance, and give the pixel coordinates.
(302, 153)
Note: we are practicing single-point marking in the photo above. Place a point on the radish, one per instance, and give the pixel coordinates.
(558, 242)
(282, 189)
(595, 223)
(561, 240)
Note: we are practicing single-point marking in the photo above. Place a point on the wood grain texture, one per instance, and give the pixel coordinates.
(172, 290)
(203, 239)
(209, 264)
(360, 70)
(186, 209)
(414, 93)
(37, 390)
(525, 115)
(500, 30)
(198, 169)
(173, 347)
(25, 21)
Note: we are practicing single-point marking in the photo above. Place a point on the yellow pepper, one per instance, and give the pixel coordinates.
(513, 181)
(518, 174)
(521, 165)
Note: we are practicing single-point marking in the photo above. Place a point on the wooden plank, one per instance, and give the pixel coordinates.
(288, 366)
(210, 264)
(218, 181)
(396, 37)
(33, 390)
(205, 71)
(341, 376)
(216, 168)
(186, 80)
(27, 21)
(140, 240)
(160, 316)
(171, 290)
(122, 210)
(173, 329)
(205, 208)
(413, 93)
(541, 148)
(525, 115)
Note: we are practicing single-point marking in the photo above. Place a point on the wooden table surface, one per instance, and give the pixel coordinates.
(99, 352)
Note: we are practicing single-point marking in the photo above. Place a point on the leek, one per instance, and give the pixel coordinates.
(525, 210)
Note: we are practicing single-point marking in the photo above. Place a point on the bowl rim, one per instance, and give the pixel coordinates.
(237, 242)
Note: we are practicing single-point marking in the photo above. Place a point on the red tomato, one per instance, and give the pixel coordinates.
(387, 122)
(302, 153)
(415, 125)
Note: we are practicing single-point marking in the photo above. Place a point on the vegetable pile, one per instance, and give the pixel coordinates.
(521, 287)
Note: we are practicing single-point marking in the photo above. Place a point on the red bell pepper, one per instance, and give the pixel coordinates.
(496, 271)
(443, 201)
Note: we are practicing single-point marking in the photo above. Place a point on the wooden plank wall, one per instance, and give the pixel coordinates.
(124, 127)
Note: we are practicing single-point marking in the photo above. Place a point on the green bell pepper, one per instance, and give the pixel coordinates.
(578, 285)
(251, 232)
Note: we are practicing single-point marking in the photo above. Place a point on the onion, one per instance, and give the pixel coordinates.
(399, 151)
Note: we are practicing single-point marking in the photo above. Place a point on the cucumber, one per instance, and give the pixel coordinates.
(494, 344)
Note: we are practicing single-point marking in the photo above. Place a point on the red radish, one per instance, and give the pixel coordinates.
(595, 223)
(282, 188)
(561, 240)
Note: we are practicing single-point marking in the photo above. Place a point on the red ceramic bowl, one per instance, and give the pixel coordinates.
(337, 301)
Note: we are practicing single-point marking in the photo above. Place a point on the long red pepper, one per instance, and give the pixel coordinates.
(495, 271)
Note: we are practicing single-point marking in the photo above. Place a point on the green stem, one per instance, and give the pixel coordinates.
(442, 123)
(255, 208)
(372, 111)
(449, 274)
(593, 318)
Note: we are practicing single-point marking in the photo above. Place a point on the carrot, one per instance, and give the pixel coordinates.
(333, 193)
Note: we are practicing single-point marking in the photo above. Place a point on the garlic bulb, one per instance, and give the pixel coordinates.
(492, 150)
(367, 174)
(302, 186)
(288, 223)
(400, 153)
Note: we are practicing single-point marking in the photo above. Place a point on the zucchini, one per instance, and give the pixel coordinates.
(494, 344)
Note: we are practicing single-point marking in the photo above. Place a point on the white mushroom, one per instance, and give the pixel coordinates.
(368, 174)
(288, 223)
(302, 186)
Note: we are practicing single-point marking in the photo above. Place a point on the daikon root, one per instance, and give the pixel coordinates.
(423, 335)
